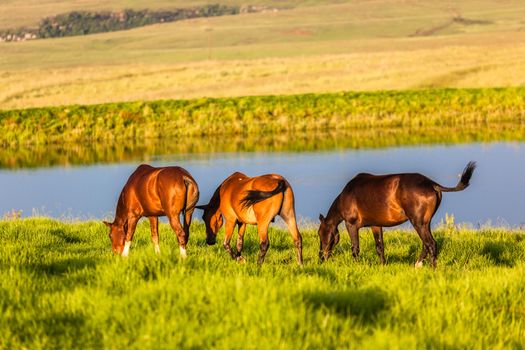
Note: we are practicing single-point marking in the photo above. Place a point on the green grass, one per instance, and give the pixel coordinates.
(60, 287)
(265, 114)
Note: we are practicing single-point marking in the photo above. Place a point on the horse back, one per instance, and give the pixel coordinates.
(236, 187)
(156, 191)
(373, 200)
(388, 200)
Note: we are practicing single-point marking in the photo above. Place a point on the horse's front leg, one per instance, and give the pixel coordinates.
(240, 240)
(353, 232)
(154, 224)
(132, 225)
(228, 231)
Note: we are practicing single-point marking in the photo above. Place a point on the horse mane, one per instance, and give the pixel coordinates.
(215, 200)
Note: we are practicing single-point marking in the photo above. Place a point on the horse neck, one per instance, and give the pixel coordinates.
(121, 212)
(215, 201)
(334, 216)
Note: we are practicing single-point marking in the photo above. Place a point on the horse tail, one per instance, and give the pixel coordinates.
(253, 196)
(463, 183)
(192, 193)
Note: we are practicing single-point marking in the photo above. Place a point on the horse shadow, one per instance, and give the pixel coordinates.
(66, 238)
(363, 304)
(326, 274)
(63, 266)
(495, 252)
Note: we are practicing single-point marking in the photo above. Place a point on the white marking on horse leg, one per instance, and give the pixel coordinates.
(157, 248)
(183, 252)
(419, 264)
(125, 252)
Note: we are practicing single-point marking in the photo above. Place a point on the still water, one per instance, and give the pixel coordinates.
(496, 195)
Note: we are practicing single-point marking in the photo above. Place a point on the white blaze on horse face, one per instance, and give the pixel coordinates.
(157, 248)
(419, 264)
(183, 252)
(125, 252)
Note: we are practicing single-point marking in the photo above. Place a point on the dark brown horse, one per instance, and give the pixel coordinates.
(154, 192)
(242, 200)
(384, 201)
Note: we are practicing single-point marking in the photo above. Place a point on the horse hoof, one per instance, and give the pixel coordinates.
(241, 259)
(419, 264)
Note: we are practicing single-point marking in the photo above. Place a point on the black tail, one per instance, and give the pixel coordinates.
(463, 183)
(253, 196)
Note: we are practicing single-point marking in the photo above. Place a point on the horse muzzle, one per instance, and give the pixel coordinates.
(211, 241)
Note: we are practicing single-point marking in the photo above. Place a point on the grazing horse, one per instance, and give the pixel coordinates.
(154, 192)
(242, 200)
(386, 200)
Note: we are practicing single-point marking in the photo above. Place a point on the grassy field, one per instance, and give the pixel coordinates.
(325, 46)
(61, 287)
(265, 115)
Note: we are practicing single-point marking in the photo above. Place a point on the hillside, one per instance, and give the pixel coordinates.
(322, 47)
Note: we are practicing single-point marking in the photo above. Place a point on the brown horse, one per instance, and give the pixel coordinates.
(154, 192)
(386, 200)
(242, 200)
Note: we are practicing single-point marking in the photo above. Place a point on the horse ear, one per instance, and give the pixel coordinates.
(321, 217)
(203, 207)
(108, 224)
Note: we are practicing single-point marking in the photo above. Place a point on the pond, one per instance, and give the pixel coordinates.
(496, 195)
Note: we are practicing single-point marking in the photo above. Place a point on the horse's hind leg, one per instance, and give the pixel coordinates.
(378, 237)
(179, 232)
(262, 230)
(429, 244)
(187, 223)
(291, 223)
(154, 224)
(288, 215)
(240, 240)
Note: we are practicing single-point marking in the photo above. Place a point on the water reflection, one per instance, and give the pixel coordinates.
(496, 194)
(147, 150)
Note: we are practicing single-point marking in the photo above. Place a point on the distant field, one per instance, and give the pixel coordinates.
(60, 287)
(27, 13)
(322, 47)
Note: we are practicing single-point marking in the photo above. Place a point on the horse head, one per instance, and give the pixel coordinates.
(328, 237)
(117, 235)
(213, 220)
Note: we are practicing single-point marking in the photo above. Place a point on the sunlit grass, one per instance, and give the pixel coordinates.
(61, 287)
(417, 109)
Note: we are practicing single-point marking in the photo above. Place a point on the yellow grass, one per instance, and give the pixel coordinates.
(358, 45)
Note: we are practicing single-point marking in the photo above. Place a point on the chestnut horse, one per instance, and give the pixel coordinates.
(154, 192)
(242, 200)
(383, 201)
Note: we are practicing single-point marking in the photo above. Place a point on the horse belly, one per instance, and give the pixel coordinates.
(150, 202)
(247, 216)
(385, 214)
